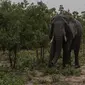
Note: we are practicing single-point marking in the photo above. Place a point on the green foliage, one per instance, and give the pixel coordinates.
(71, 71)
(24, 26)
(10, 78)
(25, 60)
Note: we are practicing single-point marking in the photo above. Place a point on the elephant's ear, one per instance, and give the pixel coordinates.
(73, 29)
(68, 35)
(70, 29)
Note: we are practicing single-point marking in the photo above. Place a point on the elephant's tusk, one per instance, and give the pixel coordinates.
(65, 38)
(52, 39)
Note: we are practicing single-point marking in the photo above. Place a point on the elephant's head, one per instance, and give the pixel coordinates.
(61, 27)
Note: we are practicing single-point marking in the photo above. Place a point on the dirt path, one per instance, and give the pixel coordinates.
(77, 80)
(40, 79)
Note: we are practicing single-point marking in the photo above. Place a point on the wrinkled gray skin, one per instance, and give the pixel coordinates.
(66, 35)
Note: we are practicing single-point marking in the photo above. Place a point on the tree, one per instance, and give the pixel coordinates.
(75, 14)
(61, 9)
(24, 26)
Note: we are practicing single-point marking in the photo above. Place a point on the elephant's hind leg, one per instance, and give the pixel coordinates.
(76, 51)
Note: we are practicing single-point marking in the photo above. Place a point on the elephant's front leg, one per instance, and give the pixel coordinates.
(66, 54)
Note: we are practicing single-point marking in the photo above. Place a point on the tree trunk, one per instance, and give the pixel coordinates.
(37, 56)
(15, 58)
(10, 59)
(42, 54)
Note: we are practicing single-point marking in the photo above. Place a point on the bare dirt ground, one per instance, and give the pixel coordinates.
(40, 79)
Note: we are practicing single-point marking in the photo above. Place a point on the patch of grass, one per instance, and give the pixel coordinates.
(71, 71)
(27, 62)
(55, 78)
(11, 78)
(48, 71)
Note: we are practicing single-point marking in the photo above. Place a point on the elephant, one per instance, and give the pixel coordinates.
(65, 33)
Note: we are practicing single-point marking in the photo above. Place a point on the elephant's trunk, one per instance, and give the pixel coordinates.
(58, 46)
(58, 37)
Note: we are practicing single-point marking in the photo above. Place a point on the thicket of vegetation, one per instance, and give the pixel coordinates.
(25, 26)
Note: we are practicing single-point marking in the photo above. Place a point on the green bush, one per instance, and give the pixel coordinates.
(11, 79)
(70, 71)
